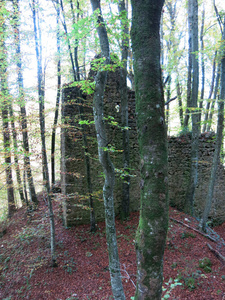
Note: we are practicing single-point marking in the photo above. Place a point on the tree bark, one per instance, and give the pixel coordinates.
(104, 158)
(152, 138)
(124, 110)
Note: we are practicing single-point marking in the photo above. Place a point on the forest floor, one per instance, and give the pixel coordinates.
(82, 272)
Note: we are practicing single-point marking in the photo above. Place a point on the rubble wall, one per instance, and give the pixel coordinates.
(73, 171)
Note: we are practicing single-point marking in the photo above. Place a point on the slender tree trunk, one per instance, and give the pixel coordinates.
(68, 41)
(214, 98)
(178, 88)
(38, 49)
(219, 139)
(202, 66)
(189, 204)
(18, 176)
(130, 73)
(57, 96)
(7, 155)
(4, 100)
(168, 94)
(76, 40)
(22, 104)
(152, 138)
(210, 93)
(104, 158)
(124, 111)
(189, 79)
(24, 183)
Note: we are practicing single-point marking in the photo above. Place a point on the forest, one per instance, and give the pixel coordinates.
(112, 149)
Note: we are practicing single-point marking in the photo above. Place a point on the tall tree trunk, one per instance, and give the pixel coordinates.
(76, 40)
(24, 182)
(57, 96)
(104, 158)
(214, 97)
(4, 100)
(124, 110)
(219, 139)
(152, 138)
(22, 104)
(189, 79)
(202, 66)
(38, 49)
(178, 88)
(7, 154)
(210, 93)
(168, 94)
(15, 145)
(189, 204)
(68, 42)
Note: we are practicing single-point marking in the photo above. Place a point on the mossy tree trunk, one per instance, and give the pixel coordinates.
(104, 158)
(152, 138)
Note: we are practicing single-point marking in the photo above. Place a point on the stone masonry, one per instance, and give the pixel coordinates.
(73, 176)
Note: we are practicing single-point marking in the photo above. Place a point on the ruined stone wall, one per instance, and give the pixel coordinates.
(73, 172)
(179, 152)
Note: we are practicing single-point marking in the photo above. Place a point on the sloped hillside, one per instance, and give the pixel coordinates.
(82, 271)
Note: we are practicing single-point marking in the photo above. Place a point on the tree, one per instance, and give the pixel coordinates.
(46, 181)
(23, 113)
(152, 138)
(124, 108)
(58, 93)
(15, 146)
(193, 11)
(104, 158)
(4, 105)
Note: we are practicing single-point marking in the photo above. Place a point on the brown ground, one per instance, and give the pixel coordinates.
(82, 271)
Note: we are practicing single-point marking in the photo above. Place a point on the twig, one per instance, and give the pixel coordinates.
(174, 98)
(216, 253)
(127, 275)
(206, 235)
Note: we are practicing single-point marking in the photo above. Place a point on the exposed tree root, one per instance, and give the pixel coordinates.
(196, 230)
(216, 253)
